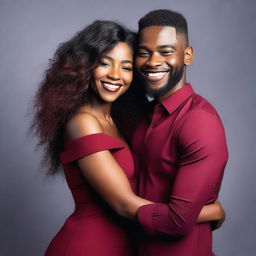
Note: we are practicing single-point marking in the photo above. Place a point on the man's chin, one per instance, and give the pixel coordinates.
(159, 90)
(156, 91)
(154, 86)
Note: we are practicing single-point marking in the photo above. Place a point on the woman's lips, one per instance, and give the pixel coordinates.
(110, 86)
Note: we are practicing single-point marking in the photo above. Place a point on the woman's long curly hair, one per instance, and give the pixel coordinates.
(65, 88)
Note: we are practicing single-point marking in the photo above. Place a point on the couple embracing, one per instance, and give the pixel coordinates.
(142, 153)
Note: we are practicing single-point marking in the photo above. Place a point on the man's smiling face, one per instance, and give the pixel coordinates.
(160, 58)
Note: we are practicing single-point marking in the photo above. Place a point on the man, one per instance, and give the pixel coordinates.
(182, 147)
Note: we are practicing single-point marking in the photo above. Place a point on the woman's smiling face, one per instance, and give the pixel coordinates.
(113, 75)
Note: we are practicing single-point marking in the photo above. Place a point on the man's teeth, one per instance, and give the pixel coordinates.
(111, 86)
(155, 74)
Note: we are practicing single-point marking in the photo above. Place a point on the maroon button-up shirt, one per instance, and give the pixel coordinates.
(182, 154)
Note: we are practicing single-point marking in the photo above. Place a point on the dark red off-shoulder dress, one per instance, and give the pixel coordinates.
(94, 229)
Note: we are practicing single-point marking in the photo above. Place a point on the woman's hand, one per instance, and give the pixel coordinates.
(222, 216)
(213, 213)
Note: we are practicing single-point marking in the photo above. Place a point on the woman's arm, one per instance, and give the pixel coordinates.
(103, 172)
(109, 180)
(213, 213)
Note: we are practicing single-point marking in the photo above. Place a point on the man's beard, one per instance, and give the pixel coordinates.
(174, 78)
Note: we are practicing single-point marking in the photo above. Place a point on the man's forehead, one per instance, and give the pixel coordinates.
(158, 35)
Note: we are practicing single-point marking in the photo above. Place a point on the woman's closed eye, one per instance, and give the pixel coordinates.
(104, 63)
(127, 68)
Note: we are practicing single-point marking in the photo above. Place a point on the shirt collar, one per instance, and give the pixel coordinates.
(172, 102)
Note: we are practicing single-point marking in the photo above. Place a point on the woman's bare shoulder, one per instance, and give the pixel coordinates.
(82, 124)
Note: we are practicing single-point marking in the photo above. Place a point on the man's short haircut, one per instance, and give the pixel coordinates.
(164, 17)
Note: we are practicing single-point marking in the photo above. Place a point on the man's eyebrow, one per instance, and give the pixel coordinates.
(166, 46)
(111, 59)
(158, 47)
(143, 47)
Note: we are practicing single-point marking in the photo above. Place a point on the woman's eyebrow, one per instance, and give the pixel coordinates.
(111, 59)
(107, 57)
(126, 61)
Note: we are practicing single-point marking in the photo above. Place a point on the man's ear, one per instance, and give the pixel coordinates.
(188, 55)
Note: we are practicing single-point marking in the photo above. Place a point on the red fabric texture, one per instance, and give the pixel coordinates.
(94, 228)
(181, 154)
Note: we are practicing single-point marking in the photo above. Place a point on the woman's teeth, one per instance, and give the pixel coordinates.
(111, 86)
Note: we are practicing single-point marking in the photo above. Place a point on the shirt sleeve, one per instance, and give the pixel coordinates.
(203, 155)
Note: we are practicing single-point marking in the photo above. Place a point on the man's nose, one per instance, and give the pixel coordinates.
(155, 60)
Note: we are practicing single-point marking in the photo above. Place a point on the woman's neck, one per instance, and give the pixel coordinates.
(99, 108)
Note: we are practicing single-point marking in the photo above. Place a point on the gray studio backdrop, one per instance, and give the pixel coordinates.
(222, 32)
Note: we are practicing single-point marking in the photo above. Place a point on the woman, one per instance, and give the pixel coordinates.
(74, 108)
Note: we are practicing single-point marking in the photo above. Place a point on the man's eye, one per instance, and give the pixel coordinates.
(166, 52)
(143, 54)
